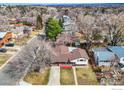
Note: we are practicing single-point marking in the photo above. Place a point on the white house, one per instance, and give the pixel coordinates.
(70, 55)
(80, 61)
(67, 24)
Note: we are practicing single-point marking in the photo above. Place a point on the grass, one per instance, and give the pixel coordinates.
(121, 43)
(85, 76)
(4, 58)
(66, 77)
(23, 40)
(36, 78)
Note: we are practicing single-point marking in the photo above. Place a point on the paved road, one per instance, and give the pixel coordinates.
(16, 69)
(54, 78)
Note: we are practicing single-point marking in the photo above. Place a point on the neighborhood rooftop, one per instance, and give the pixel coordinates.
(118, 50)
(103, 54)
(2, 34)
(64, 53)
(99, 49)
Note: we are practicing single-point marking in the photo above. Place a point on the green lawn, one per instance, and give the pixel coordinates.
(85, 76)
(66, 77)
(38, 78)
(4, 58)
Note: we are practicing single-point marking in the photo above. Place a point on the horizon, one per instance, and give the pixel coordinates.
(65, 4)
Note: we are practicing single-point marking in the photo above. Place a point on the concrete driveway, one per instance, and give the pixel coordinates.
(54, 78)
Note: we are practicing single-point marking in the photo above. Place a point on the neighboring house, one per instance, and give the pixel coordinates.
(119, 52)
(27, 30)
(5, 37)
(103, 57)
(64, 39)
(67, 24)
(18, 29)
(69, 55)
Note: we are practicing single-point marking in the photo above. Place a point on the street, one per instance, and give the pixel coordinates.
(15, 70)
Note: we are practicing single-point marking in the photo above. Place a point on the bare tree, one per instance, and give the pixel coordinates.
(115, 25)
(38, 54)
(86, 26)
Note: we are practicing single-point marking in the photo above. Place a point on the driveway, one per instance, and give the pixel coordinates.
(54, 78)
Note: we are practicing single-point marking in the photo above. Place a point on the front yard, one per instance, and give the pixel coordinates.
(25, 39)
(85, 76)
(21, 41)
(66, 77)
(4, 58)
(35, 78)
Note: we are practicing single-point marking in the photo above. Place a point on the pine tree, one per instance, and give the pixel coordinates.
(52, 28)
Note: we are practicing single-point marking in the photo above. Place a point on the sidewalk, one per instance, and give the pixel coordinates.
(75, 76)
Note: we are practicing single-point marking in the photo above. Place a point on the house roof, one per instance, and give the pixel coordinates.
(118, 50)
(78, 53)
(61, 49)
(103, 54)
(99, 49)
(2, 34)
(62, 54)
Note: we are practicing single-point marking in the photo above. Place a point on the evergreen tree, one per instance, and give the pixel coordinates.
(52, 28)
(61, 22)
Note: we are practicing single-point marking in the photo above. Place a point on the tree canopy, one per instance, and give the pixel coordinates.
(39, 23)
(52, 28)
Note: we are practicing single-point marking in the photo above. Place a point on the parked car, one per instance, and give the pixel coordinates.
(10, 44)
(3, 50)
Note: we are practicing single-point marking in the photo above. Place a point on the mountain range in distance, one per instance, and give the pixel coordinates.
(66, 4)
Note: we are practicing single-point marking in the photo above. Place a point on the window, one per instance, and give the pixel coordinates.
(122, 59)
(82, 60)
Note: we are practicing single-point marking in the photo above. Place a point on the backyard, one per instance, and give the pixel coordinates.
(4, 58)
(36, 78)
(66, 76)
(85, 76)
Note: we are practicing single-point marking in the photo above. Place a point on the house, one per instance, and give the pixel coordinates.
(119, 52)
(5, 37)
(64, 39)
(69, 55)
(103, 57)
(17, 29)
(67, 24)
(27, 29)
